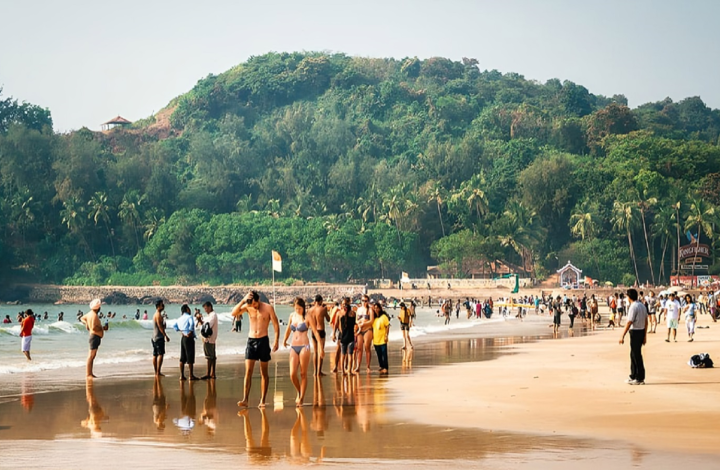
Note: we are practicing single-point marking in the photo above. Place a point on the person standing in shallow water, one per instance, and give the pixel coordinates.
(159, 338)
(28, 322)
(299, 324)
(94, 326)
(381, 330)
(318, 314)
(209, 348)
(186, 326)
(258, 345)
(636, 324)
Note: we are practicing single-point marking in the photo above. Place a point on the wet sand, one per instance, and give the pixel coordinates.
(124, 421)
(576, 387)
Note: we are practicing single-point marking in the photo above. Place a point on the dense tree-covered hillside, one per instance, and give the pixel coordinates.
(357, 168)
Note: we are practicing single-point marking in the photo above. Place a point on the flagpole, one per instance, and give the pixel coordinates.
(272, 268)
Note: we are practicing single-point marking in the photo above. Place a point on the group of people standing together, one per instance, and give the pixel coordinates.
(355, 329)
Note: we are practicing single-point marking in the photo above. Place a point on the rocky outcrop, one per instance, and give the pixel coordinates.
(195, 295)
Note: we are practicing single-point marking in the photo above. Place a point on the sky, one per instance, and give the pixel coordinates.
(89, 61)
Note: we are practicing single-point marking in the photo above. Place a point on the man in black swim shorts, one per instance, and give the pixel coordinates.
(318, 314)
(258, 345)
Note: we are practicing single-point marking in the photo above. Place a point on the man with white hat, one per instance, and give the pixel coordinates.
(94, 326)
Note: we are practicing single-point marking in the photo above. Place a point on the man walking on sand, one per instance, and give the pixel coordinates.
(28, 322)
(672, 313)
(258, 345)
(637, 322)
(211, 320)
(159, 337)
(318, 313)
(94, 326)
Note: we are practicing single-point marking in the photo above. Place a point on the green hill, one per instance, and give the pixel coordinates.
(357, 168)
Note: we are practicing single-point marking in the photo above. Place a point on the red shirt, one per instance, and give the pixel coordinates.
(27, 326)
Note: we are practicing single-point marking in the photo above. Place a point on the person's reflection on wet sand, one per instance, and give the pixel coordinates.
(160, 405)
(407, 358)
(209, 413)
(96, 414)
(319, 419)
(263, 452)
(300, 448)
(363, 401)
(344, 400)
(27, 397)
(186, 422)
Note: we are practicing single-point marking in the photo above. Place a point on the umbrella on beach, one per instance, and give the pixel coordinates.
(675, 289)
(608, 283)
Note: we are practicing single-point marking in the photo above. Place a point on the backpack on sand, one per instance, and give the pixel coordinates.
(701, 361)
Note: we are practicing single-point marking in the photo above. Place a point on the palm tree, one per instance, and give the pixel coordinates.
(664, 227)
(624, 220)
(584, 226)
(702, 216)
(472, 196)
(526, 230)
(153, 220)
(71, 216)
(644, 205)
(129, 213)
(437, 195)
(99, 211)
(392, 207)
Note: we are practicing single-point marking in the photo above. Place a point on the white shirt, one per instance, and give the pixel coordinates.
(673, 310)
(212, 319)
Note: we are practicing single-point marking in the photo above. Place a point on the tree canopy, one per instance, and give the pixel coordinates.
(356, 168)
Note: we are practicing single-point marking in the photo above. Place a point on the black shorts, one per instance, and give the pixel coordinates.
(347, 348)
(94, 341)
(556, 319)
(405, 326)
(258, 349)
(187, 350)
(158, 347)
(321, 334)
(209, 350)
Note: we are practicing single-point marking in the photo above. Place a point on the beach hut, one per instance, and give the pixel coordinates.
(118, 121)
(569, 275)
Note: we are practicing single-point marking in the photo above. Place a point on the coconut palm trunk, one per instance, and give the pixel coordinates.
(647, 245)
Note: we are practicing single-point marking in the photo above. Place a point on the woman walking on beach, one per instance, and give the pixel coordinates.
(381, 330)
(298, 325)
(690, 310)
(405, 321)
(347, 327)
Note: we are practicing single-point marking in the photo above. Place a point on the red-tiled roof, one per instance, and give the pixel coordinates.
(118, 120)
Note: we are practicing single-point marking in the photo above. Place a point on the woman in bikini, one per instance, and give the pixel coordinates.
(299, 347)
(364, 339)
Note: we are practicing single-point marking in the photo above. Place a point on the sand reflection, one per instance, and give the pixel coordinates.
(96, 414)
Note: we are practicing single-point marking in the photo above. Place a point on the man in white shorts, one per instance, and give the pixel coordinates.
(672, 312)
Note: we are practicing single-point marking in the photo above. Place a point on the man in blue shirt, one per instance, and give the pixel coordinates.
(186, 326)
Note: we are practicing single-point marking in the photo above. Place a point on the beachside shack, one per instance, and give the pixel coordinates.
(569, 275)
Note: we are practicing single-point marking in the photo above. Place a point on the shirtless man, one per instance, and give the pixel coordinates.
(318, 314)
(258, 345)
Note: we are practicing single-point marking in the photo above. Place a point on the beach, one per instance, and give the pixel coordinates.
(469, 397)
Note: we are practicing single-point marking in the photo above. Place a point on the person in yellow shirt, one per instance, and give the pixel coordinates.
(381, 329)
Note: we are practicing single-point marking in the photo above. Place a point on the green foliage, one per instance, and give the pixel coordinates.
(355, 168)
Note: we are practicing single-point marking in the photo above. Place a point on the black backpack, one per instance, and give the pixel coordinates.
(206, 330)
(701, 361)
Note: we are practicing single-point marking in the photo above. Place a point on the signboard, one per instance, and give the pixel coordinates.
(698, 267)
(699, 280)
(684, 280)
(689, 251)
(704, 280)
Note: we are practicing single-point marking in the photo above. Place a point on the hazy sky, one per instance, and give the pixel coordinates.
(90, 60)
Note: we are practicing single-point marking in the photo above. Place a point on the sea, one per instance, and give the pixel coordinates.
(64, 344)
